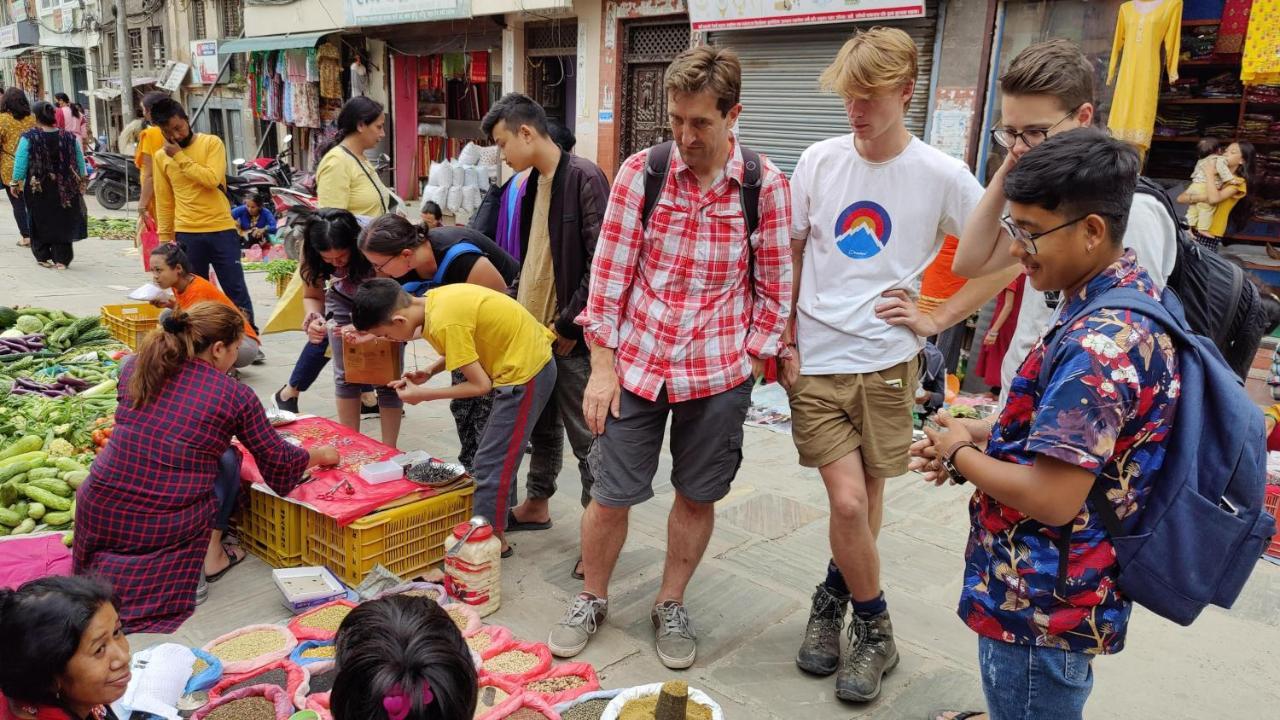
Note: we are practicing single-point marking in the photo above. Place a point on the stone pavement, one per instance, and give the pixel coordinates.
(749, 600)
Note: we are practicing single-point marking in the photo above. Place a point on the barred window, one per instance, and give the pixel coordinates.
(197, 20)
(232, 18)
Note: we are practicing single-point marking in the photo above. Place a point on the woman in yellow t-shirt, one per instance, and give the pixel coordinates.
(149, 143)
(344, 178)
(1230, 208)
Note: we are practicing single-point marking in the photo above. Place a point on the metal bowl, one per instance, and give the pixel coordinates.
(279, 418)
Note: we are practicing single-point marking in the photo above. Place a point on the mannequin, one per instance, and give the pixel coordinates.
(1142, 26)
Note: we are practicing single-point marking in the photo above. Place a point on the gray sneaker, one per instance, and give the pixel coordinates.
(676, 643)
(579, 623)
(872, 654)
(820, 652)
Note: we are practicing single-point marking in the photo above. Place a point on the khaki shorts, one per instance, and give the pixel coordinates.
(833, 415)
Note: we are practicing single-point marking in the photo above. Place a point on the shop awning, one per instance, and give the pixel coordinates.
(10, 53)
(271, 42)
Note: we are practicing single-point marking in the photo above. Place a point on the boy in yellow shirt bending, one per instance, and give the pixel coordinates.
(497, 344)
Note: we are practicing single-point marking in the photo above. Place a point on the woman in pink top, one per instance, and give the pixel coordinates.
(70, 117)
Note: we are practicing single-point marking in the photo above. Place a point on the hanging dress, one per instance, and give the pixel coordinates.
(1140, 32)
(1261, 62)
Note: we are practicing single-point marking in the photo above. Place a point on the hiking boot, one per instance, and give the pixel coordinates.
(579, 623)
(820, 652)
(871, 655)
(676, 643)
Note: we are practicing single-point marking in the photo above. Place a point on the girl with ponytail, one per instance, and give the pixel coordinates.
(150, 517)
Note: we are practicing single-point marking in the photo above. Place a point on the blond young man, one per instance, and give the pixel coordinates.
(677, 325)
(870, 211)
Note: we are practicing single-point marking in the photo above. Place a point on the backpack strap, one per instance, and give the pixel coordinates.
(749, 190)
(418, 287)
(655, 177)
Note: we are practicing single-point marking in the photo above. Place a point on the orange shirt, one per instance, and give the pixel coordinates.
(201, 290)
(939, 283)
(149, 142)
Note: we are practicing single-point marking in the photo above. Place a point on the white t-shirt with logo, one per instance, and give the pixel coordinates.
(870, 227)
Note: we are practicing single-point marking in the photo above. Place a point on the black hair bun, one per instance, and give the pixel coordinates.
(175, 324)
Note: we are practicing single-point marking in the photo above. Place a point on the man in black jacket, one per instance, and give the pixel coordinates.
(559, 223)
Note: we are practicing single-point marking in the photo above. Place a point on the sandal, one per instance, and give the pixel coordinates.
(959, 714)
(59, 266)
(234, 562)
(577, 575)
(46, 264)
(514, 525)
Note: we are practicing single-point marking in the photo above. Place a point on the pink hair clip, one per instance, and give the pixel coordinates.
(397, 703)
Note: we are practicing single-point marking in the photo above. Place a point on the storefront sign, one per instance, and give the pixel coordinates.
(204, 61)
(389, 12)
(25, 32)
(738, 14)
(952, 113)
(173, 74)
(606, 117)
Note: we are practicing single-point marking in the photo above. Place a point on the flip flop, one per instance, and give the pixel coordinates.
(234, 562)
(511, 550)
(574, 572)
(959, 714)
(514, 525)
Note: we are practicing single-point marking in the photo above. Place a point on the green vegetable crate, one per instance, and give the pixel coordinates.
(130, 323)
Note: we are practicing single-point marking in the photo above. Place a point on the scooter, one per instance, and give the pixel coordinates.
(269, 171)
(295, 205)
(115, 180)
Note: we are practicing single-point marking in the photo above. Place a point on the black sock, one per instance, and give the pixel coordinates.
(868, 609)
(835, 581)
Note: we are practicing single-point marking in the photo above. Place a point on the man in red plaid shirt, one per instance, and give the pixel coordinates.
(683, 312)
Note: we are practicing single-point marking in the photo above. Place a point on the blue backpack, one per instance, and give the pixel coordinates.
(418, 288)
(1203, 527)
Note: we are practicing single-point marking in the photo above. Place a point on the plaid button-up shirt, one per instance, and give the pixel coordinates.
(673, 299)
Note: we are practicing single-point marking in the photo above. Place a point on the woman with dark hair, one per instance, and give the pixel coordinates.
(15, 119)
(402, 658)
(1232, 206)
(49, 171)
(145, 516)
(421, 259)
(65, 653)
(344, 178)
(332, 269)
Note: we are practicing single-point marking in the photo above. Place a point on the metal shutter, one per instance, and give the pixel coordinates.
(783, 111)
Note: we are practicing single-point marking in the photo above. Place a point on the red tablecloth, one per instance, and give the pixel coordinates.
(356, 450)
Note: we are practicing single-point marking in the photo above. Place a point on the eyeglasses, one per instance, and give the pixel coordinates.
(1028, 239)
(378, 268)
(1031, 137)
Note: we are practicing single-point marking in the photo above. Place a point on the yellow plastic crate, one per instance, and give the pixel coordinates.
(130, 323)
(271, 528)
(406, 540)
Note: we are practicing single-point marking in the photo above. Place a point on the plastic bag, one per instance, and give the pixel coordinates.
(531, 702)
(488, 636)
(277, 697)
(303, 691)
(253, 253)
(240, 667)
(470, 177)
(206, 678)
(471, 198)
(585, 697)
(419, 588)
(696, 695)
(470, 154)
(296, 657)
(297, 677)
(500, 703)
(320, 704)
(302, 631)
(148, 240)
(539, 649)
(579, 669)
(440, 175)
(277, 252)
(472, 622)
(454, 202)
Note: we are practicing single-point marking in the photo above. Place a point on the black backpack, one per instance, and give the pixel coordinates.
(1220, 303)
(655, 176)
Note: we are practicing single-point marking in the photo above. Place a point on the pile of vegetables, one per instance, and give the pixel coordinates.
(38, 481)
(20, 344)
(113, 228)
(278, 270)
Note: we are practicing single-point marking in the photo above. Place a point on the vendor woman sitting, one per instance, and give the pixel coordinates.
(144, 518)
(171, 270)
(65, 656)
(256, 223)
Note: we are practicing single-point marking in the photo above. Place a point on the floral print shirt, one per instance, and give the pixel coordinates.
(1107, 407)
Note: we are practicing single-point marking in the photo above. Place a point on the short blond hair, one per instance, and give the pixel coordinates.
(871, 61)
(707, 68)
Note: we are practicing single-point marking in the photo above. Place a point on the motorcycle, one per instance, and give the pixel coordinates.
(273, 172)
(294, 205)
(115, 180)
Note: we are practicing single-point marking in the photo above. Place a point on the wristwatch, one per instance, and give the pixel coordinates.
(948, 461)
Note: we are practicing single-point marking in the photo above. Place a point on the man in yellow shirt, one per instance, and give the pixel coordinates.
(189, 173)
(497, 344)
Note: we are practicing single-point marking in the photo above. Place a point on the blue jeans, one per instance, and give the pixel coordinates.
(1023, 682)
(221, 250)
(311, 362)
(226, 488)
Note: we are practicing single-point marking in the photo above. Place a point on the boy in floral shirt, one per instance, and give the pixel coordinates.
(1040, 570)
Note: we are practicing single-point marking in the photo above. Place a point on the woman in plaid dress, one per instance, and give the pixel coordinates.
(144, 517)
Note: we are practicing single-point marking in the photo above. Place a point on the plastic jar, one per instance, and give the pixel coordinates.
(474, 574)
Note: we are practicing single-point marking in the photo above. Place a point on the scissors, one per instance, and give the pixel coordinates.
(344, 486)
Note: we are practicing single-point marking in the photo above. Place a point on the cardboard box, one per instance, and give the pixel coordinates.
(377, 362)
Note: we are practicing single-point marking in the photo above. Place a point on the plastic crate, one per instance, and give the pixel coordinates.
(130, 323)
(1272, 503)
(405, 540)
(271, 528)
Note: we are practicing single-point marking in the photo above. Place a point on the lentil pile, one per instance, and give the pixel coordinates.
(277, 677)
(249, 646)
(327, 619)
(556, 684)
(511, 662)
(322, 682)
(429, 594)
(459, 618)
(589, 710)
(643, 709)
(489, 698)
(479, 642)
(319, 651)
(250, 708)
(199, 667)
(526, 714)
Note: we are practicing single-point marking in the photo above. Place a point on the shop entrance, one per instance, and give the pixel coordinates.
(551, 69)
(649, 47)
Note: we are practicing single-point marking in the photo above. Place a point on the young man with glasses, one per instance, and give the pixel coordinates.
(1040, 571)
(1047, 90)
